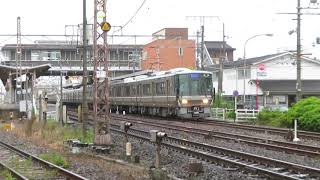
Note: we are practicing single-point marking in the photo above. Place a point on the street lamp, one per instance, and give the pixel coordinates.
(245, 61)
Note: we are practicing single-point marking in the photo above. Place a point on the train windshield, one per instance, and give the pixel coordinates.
(195, 84)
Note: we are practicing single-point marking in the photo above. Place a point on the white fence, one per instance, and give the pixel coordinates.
(218, 113)
(246, 114)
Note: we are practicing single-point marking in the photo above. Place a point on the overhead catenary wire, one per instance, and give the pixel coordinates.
(134, 15)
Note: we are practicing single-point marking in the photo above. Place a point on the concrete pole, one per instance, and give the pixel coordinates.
(202, 47)
(40, 107)
(295, 139)
(158, 155)
(299, 83)
(85, 108)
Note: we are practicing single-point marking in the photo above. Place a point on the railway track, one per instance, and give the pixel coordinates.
(262, 129)
(236, 160)
(306, 150)
(23, 165)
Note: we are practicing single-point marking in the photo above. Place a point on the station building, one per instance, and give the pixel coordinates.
(66, 55)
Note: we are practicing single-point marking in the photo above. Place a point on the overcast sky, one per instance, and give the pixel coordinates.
(242, 19)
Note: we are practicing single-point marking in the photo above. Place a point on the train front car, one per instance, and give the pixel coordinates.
(194, 93)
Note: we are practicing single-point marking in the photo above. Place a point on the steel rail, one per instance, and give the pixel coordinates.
(62, 171)
(312, 151)
(246, 161)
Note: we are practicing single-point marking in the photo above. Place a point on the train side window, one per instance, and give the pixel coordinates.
(146, 89)
(160, 88)
(133, 90)
(118, 91)
(127, 91)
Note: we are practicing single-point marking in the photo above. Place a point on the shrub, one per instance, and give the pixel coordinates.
(307, 111)
(272, 118)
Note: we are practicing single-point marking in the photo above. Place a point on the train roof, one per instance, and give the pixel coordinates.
(160, 74)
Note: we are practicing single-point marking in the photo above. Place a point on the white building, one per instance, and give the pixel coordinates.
(276, 76)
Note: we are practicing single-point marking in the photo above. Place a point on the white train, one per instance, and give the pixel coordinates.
(178, 92)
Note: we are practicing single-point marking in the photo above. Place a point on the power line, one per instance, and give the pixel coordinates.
(125, 24)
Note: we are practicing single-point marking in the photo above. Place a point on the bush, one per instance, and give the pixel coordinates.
(272, 118)
(307, 111)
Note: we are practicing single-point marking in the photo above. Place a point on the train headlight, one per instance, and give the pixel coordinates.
(205, 101)
(184, 101)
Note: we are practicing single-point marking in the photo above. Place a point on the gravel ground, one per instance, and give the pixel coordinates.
(87, 166)
(303, 160)
(176, 163)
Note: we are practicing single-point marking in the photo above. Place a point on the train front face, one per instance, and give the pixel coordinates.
(194, 92)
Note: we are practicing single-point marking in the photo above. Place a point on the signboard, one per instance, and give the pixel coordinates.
(261, 67)
(105, 26)
(261, 71)
(261, 74)
(235, 93)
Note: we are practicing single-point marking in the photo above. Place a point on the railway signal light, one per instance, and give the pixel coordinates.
(157, 136)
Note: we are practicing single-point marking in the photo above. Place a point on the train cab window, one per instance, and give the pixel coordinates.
(195, 84)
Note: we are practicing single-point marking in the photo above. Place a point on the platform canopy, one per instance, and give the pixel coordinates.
(5, 70)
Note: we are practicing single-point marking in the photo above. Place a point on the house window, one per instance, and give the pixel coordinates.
(244, 73)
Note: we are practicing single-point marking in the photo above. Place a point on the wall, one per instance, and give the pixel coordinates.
(165, 54)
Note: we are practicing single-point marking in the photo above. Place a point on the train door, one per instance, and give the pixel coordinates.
(168, 94)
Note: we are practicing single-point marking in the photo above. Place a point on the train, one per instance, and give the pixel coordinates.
(179, 92)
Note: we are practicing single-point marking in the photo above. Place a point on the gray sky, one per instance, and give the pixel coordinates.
(242, 19)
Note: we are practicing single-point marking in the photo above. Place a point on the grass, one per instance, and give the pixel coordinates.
(6, 174)
(56, 159)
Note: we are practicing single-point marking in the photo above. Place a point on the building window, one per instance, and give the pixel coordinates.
(37, 55)
(244, 73)
(180, 51)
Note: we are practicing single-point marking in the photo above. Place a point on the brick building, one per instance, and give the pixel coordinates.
(169, 49)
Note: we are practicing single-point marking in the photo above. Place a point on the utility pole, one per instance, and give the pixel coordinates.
(299, 54)
(198, 51)
(18, 62)
(221, 59)
(101, 116)
(299, 84)
(85, 73)
(202, 47)
(202, 19)
(61, 97)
